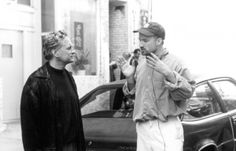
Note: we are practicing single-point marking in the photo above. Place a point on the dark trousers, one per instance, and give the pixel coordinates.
(68, 147)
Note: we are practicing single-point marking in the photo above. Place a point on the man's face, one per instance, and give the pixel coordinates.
(147, 44)
(65, 53)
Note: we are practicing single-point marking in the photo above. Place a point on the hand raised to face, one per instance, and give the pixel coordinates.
(154, 62)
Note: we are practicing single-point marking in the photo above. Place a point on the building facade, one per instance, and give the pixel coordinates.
(102, 29)
(20, 48)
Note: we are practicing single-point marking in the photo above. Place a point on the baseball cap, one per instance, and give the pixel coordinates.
(152, 29)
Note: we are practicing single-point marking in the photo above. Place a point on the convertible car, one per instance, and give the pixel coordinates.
(209, 123)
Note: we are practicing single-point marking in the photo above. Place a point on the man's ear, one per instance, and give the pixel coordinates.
(54, 52)
(159, 41)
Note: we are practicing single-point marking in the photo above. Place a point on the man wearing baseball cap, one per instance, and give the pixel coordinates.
(161, 84)
(152, 29)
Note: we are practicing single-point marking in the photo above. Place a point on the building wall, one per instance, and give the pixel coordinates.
(26, 21)
(124, 18)
(118, 29)
(21, 26)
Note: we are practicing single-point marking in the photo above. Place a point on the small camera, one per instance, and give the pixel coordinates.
(113, 65)
(148, 54)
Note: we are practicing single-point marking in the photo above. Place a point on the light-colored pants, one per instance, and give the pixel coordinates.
(156, 135)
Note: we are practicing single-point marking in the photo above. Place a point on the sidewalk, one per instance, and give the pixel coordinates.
(10, 137)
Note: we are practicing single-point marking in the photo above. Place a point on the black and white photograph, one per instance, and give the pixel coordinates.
(117, 75)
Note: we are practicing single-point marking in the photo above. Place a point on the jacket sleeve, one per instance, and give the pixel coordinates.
(183, 88)
(29, 116)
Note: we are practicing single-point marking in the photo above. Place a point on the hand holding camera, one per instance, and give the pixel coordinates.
(148, 54)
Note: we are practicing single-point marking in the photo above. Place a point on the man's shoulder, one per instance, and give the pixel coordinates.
(174, 58)
(176, 63)
(41, 72)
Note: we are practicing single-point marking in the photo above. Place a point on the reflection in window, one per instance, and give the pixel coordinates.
(227, 91)
(202, 103)
(7, 51)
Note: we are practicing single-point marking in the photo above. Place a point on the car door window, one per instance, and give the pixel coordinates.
(99, 101)
(227, 91)
(109, 102)
(202, 103)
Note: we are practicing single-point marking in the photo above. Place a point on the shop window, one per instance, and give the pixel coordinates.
(78, 19)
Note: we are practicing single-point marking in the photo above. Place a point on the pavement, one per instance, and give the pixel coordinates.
(10, 137)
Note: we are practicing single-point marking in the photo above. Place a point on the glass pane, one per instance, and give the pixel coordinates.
(227, 91)
(101, 100)
(202, 103)
(6, 51)
(78, 19)
(81, 21)
(108, 103)
(24, 2)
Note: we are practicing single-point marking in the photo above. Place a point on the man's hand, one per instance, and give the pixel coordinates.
(127, 69)
(154, 62)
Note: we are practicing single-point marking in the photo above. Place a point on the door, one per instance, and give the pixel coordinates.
(206, 125)
(227, 91)
(11, 74)
(107, 121)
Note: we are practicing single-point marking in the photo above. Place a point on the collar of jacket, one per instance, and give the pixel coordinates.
(42, 72)
(163, 53)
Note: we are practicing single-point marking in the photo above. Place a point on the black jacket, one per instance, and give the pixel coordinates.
(40, 113)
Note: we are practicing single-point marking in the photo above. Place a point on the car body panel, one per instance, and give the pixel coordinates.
(217, 128)
(115, 134)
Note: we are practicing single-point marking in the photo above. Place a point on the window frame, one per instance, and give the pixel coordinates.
(230, 80)
(207, 83)
(112, 113)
